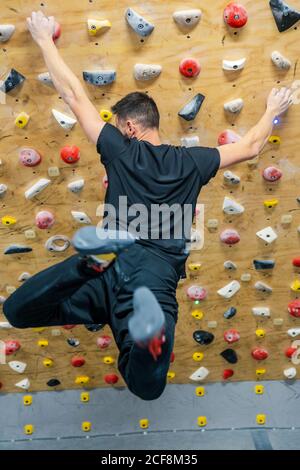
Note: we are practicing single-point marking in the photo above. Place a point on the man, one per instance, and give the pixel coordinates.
(131, 284)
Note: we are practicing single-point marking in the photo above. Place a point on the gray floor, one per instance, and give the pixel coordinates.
(230, 409)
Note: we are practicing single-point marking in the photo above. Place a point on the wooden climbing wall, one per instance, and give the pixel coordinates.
(210, 42)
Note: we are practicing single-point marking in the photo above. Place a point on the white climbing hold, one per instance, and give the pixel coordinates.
(139, 24)
(66, 122)
(17, 366)
(6, 32)
(232, 207)
(25, 384)
(76, 186)
(3, 189)
(146, 72)
(296, 355)
(293, 332)
(230, 265)
(45, 77)
(37, 188)
(57, 243)
(261, 311)
(234, 106)
(81, 217)
(231, 178)
(4, 325)
(199, 374)
(267, 234)
(262, 287)
(233, 65)
(24, 276)
(190, 141)
(187, 18)
(229, 290)
(290, 373)
(280, 61)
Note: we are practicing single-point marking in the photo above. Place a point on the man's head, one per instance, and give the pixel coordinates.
(135, 114)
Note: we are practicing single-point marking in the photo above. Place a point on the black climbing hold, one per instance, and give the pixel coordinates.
(203, 337)
(12, 249)
(285, 16)
(192, 108)
(230, 313)
(264, 264)
(53, 383)
(12, 80)
(230, 356)
(93, 328)
(73, 342)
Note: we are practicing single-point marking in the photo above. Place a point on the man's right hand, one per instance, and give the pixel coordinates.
(279, 100)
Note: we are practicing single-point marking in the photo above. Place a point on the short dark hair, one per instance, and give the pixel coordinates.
(138, 106)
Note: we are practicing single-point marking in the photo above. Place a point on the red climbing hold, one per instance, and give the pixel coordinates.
(190, 68)
(196, 293)
(230, 237)
(231, 336)
(11, 347)
(172, 359)
(70, 154)
(104, 341)
(290, 351)
(296, 262)
(294, 308)
(77, 361)
(227, 373)
(57, 31)
(272, 174)
(235, 15)
(69, 327)
(111, 379)
(259, 354)
(29, 157)
(105, 182)
(228, 137)
(44, 220)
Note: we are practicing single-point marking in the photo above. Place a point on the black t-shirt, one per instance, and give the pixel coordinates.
(161, 178)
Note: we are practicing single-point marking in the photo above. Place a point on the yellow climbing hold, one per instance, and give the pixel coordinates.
(27, 400)
(48, 362)
(202, 421)
(105, 115)
(82, 380)
(39, 329)
(96, 27)
(43, 343)
(275, 139)
(260, 333)
(200, 391)
(296, 285)
(28, 429)
(261, 419)
(260, 372)
(259, 389)
(8, 220)
(144, 423)
(195, 266)
(86, 426)
(22, 120)
(198, 314)
(108, 360)
(270, 203)
(85, 397)
(198, 356)
(171, 375)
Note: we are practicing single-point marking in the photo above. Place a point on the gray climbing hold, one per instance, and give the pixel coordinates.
(280, 61)
(3, 189)
(234, 106)
(262, 287)
(141, 26)
(6, 32)
(12, 249)
(230, 313)
(94, 327)
(285, 17)
(12, 80)
(192, 108)
(232, 207)
(146, 72)
(230, 265)
(230, 356)
(74, 342)
(45, 77)
(23, 277)
(187, 18)
(100, 77)
(203, 337)
(231, 178)
(263, 264)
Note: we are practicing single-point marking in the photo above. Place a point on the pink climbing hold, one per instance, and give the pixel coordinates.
(11, 346)
(272, 174)
(231, 336)
(77, 361)
(111, 379)
(228, 137)
(57, 31)
(294, 308)
(227, 373)
(44, 220)
(196, 293)
(189, 68)
(230, 237)
(29, 157)
(259, 354)
(105, 182)
(104, 341)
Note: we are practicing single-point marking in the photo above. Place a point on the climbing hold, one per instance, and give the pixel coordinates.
(190, 141)
(73, 342)
(290, 373)
(295, 286)
(203, 337)
(230, 356)
(192, 108)
(200, 391)
(43, 343)
(96, 27)
(198, 356)
(278, 321)
(199, 374)
(293, 332)
(11, 346)
(86, 426)
(139, 24)
(81, 217)
(144, 423)
(280, 62)
(272, 174)
(8, 220)
(27, 400)
(234, 106)
(294, 308)
(260, 333)
(212, 324)
(261, 311)
(111, 379)
(6, 32)
(104, 341)
(230, 265)
(55, 332)
(231, 336)
(246, 277)
(230, 237)
(37, 188)
(270, 203)
(17, 366)
(48, 362)
(228, 137)
(195, 267)
(190, 68)
(198, 314)
(16, 249)
(285, 17)
(28, 429)
(84, 397)
(187, 18)
(77, 361)
(171, 375)
(212, 224)
(4, 324)
(289, 352)
(106, 115)
(267, 235)
(3, 189)
(57, 31)
(286, 219)
(146, 72)
(57, 243)
(260, 373)
(44, 220)
(263, 264)
(227, 373)
(261, 419)
(231, 178)
(229, 290)
(233, 65)
(108, 360)
(53, 171)
(172, 358)
(296, 262)
(231, 312)
(259, 354)
(24, 384)
(196, 293)
(232, 207)
(70, 154)
(29, 157)
(82, 380)
(262, 287)
(45, 77)
(12, 80)
(235, 15)
(30, 234)
(22, 120)
(202, 421)
(94, 327)
(259, 389)
(100, 77)
(66, 122)
(76, 186)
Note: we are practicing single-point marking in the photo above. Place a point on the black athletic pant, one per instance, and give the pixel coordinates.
(64, 294)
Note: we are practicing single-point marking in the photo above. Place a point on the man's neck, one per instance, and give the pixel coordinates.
(150, 135)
